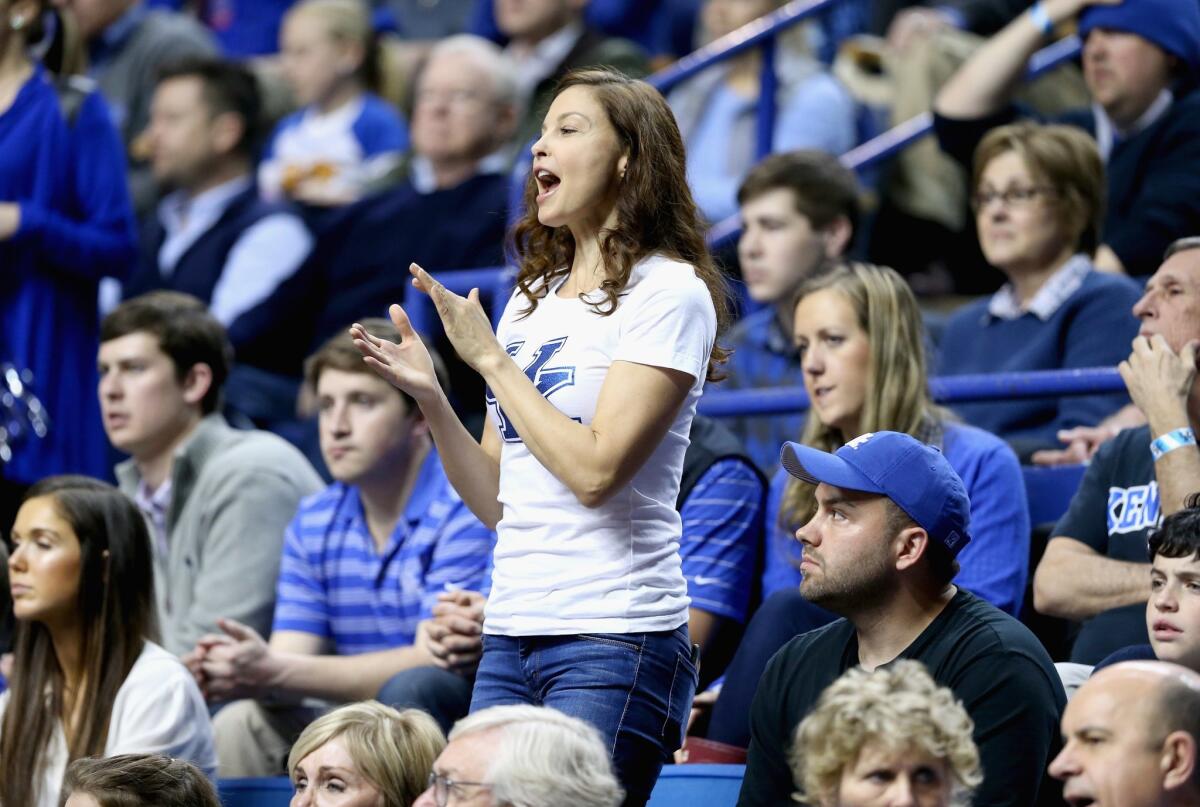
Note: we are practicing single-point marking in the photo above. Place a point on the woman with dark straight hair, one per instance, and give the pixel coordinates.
(88, 679)
(592, 377)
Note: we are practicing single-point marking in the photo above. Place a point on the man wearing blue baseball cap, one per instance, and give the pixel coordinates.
(1141, 60)
(891, 517)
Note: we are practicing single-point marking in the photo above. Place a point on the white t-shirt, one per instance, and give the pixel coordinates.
(158, 710)
(562, 568)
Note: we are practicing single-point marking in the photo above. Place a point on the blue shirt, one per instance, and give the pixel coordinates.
(763, 356)
(995, 565)
(335, 584)
(1092, 327)
(76, 227)
(722, 529)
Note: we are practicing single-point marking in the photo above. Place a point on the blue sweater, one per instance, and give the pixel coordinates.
(76, 227)
(995, 565)
(1092, 328)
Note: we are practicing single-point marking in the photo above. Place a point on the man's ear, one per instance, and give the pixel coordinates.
(1178, 760)
(505, 125)
(227, 129)
(837, 237)
(909, 546)
(197, 383)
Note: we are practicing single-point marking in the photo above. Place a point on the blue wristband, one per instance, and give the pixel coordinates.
(1171, 441)
(1039, 17)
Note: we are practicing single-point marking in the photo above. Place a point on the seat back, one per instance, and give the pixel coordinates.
(1049, 490)
(698, 786)
(255, 792)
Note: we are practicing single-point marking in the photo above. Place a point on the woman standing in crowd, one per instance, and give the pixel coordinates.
(888, 736)
(862, 350)
(88, 679)
(1039, 201)
(65, 222)
(593, 377)
(344, 137)
(369, 753)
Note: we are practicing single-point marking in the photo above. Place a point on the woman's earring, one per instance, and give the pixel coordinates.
(17, 22)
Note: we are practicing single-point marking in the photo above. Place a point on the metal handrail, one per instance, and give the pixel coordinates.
(751, 35)
(899, 137)
(945, 389)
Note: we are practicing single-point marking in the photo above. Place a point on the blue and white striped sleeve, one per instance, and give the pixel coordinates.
(461, 556)
(301, 602)
(722, 533)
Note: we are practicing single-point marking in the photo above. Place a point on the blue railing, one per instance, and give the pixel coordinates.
(759, 33)
(496, 285)
(945, 389)
(902, 135)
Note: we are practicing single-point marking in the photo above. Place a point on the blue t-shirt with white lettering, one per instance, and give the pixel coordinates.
(1114, 513)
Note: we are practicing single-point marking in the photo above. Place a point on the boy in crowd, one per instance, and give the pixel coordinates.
(217, 499)
(363, 564)
(799, 210)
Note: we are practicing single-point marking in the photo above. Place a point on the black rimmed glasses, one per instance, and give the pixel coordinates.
(1014, 196)
(443, 786)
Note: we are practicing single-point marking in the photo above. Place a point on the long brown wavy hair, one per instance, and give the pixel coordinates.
(897, 397)
(655, 212)
(116, 609)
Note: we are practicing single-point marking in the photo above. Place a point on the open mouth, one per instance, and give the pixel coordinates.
(547, 183)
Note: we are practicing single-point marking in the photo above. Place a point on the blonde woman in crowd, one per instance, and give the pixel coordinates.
(885, 737)
(364, 755)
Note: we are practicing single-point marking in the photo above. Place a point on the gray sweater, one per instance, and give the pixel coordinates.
(233, 494)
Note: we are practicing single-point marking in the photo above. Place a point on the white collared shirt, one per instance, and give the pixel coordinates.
(539, 62)
(424, 181)
(1107, 132)
(1057, 289)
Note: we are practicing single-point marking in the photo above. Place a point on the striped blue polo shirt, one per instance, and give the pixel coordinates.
(722, 532)
(334, 583)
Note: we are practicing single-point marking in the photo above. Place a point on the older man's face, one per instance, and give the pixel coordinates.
(461, 770)
(1109, 756)
(1170, 304)
(455, 111)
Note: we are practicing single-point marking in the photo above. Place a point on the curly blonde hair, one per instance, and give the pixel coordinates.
(900, 708)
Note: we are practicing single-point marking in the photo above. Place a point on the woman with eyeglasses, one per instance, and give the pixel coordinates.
(364, 755)
(1039, 200)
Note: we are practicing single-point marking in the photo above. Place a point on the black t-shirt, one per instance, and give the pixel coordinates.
(1114, 513)
(992, 662)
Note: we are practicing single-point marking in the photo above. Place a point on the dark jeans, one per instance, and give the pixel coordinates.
(443, 694)
(635, 688)
(782, 616)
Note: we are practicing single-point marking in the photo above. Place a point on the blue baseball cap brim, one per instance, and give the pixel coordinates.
(814, 466)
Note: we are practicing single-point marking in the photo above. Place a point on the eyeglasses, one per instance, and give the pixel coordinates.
(1011, 197)
(453, 97)
(442, 787)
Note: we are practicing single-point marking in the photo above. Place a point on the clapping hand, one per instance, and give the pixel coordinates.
(406, 366)
(463, 319)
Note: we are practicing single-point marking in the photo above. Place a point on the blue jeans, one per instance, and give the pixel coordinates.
(444, 695)
(636, 688)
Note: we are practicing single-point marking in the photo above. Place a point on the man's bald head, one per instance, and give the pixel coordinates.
(1117, 752)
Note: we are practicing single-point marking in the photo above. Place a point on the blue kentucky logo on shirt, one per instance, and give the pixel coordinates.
(547, 380)
(1133, 509)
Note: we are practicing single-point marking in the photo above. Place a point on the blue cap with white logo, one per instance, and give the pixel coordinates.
(915, 476)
